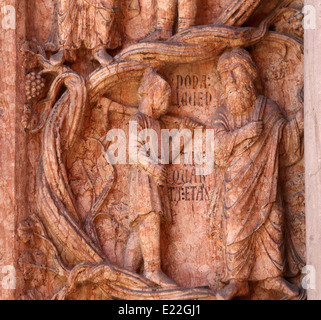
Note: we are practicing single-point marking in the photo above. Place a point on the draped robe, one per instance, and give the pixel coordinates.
(248, 195)
(87, 21)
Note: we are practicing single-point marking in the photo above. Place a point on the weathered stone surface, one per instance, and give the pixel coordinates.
(312, 156)
(90, 228)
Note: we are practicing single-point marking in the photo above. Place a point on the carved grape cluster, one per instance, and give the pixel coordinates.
(34, 85)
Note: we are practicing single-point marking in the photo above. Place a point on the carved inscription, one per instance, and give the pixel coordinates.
(193, 90)
(213, 212)
(188, 186)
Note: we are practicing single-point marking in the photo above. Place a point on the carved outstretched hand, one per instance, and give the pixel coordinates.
(188, 123)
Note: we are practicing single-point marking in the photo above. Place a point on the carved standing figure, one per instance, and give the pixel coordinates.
(253, 139)
(148, 193)
(165, 17)
(89, 23)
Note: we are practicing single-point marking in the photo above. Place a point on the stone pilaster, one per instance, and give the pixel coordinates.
(12, 142)
(313, 146)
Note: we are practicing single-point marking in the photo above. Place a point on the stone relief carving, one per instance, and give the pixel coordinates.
(252, 140)
(101, 230)
(165, 17)
(148, 192)
(86, 22)
(147, 179)
(290, 22)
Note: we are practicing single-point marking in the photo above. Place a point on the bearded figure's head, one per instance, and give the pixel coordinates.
(240, 80)
(156, 91)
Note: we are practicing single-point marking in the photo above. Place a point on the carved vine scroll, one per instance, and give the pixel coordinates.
(73, 238)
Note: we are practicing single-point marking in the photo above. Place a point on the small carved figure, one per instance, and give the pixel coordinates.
(165, 16)
(253, 140)
(148, 196)
(89, 23)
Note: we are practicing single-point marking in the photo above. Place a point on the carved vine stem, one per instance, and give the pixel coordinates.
(62, 122)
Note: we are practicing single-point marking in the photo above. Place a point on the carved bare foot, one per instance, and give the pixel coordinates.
(58, 58)
(233, 290)
(102, 57)
(158, 35)
(281, 285)
(160, 278)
